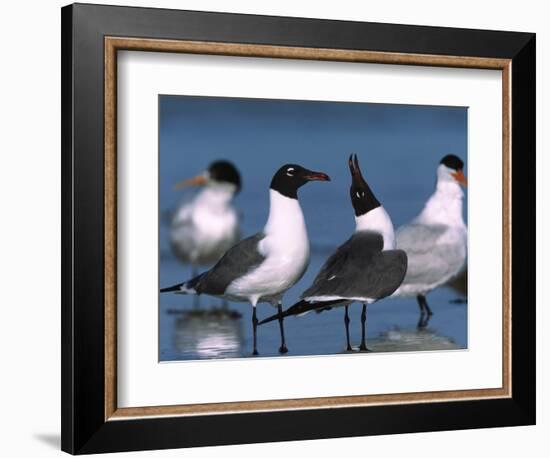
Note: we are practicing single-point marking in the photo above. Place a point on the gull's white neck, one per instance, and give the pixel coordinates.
(377, 220)
(285, 247)
(285, 216)
(445, 205)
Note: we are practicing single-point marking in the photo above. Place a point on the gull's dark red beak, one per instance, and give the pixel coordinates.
(356, 175)
(316, 176)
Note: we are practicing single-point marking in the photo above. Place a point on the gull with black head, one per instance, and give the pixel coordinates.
(366, 268)
(261, 268)
(436, 240)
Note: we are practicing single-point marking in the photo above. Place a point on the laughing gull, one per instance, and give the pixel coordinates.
(204, 228)
(366, 268)
(436, 240)
(263, 267)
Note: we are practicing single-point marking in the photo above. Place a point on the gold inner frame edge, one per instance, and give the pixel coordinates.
(114, 44)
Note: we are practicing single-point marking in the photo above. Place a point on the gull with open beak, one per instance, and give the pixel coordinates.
(204, 228)
(366, 268)
(261, 268)
(436, 240)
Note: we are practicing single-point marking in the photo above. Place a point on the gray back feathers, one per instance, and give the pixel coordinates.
(359, 268)
(430, 259)
(235, 263)
(419, 238)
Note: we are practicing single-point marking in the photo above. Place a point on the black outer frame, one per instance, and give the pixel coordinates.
(84, 429)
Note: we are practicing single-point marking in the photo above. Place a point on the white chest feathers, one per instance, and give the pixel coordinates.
(377, 220)
(285, 248)
(444, 206)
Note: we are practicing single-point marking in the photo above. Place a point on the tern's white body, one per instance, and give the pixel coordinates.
(286, 251)
(435, 241)
(206, 227)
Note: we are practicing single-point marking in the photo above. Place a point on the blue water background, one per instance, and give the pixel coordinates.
(399, 147)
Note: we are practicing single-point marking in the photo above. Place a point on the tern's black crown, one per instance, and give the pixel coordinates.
(225, 172)
(453, 162)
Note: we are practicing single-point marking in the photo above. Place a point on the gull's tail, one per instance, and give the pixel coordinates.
(172, 289)
(188, 287)
(301, 308)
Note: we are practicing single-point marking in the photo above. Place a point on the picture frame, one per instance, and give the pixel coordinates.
(92, 35)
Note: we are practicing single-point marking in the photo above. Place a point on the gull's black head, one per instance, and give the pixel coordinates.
(290, 177)
(224, 172)
(362, 198)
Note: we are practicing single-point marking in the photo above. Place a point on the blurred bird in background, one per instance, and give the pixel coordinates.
(436, 240)
(204, 228)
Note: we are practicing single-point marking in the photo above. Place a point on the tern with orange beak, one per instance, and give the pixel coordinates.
(366, 268)
(263, 267)
(436, 240)
(204, 228)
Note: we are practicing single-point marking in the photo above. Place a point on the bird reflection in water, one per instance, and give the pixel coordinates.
(425, 339)
(208, 335)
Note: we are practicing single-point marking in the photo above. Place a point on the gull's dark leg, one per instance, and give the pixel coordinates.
(282, 348)
(254, 326)
(346, 322)
(363, 346)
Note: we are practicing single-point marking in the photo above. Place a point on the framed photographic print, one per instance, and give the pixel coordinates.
(271, 222)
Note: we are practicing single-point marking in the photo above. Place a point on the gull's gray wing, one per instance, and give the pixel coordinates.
(359, 268)
(431, 259)
(236, 262)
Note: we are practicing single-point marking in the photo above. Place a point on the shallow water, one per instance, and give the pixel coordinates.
(399, 148)
(211, 332)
